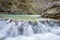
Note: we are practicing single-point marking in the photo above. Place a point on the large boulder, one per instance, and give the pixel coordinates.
(53, 11)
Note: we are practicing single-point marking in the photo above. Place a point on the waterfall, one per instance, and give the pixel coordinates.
(29, 30)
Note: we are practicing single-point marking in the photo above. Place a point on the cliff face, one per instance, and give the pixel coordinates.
(45, 8)
(28, 6)
(13, 5)
(40, 5)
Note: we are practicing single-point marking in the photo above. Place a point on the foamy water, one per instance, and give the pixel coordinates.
(28, 30)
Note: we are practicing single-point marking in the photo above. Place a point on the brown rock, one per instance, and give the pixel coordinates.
(53, 11)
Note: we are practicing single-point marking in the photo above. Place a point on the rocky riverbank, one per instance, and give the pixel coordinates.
(53, 11)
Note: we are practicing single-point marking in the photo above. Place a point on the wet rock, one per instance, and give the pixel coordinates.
(33, 22)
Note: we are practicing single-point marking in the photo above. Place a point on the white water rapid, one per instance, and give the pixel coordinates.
(28, 30)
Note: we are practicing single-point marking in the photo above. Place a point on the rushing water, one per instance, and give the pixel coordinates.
(29, 30)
